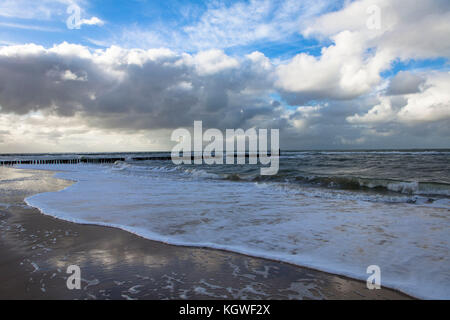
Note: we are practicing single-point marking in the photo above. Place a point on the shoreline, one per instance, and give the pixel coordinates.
(136, 267)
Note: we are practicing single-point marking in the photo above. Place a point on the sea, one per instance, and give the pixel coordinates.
(336, 211)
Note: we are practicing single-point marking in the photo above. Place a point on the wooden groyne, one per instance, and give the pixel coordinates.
(59, 161)
(95, 160)
(74, 161)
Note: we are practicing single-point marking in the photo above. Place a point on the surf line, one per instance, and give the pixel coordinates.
(213, 152)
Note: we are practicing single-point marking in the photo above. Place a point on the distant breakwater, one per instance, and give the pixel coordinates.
(76, 161)
(95, 160)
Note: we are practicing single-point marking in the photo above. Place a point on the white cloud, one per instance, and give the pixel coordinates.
(69, 75)
(409, 28)
(28, 27)
(44, 10)
(382, 112)
(66, 75)
(343, 71)
(224, 25)
(94, 21)
(211, 62)
(31, 9)
(351, 66)
(63, 49)
(431, 104)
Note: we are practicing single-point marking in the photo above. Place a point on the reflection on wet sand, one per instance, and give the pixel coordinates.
(37, 249)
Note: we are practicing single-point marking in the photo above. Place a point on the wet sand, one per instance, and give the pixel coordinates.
(35, 251)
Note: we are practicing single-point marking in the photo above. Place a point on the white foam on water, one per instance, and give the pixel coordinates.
(409, 242)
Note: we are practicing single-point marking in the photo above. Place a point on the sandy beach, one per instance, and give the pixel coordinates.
(37, 249)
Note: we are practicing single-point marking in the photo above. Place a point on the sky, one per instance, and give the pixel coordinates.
(95, 76)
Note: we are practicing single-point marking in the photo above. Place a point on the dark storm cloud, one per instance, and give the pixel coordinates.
(165, 91)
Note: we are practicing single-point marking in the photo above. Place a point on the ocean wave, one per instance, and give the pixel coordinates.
(332, 187)
(350, 183)
(200, 173)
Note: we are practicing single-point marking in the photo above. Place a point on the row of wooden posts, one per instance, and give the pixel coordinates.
(85, 160)
(73, 161)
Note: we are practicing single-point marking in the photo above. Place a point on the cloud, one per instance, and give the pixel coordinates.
(94, 21)
(69, 75)
(45, 132)
(403, 26)
(30, 9)
(66, 75)
(48, 10)
(405, 82)
(430, 105)
(242, 23)
(351, 66)
(211, 62)
(28, 27)
(382, 112)
(134, 89)
(433, 104)
(3, 134)
(343, 71)
(226, 24)
(70, 94)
